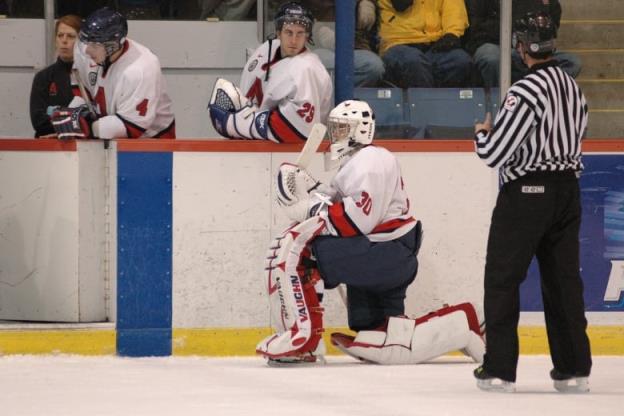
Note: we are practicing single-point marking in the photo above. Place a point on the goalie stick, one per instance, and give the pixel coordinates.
(311, 145)
(317, 134)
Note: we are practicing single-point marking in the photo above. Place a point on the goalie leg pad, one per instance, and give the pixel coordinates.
(412, 341)
(295, 308)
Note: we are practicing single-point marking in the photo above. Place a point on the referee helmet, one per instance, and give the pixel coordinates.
(537, 33)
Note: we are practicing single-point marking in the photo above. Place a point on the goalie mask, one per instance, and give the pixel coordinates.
(107, 28)
(351, 126)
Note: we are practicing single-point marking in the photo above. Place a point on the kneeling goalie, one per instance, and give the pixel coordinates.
(356, 231)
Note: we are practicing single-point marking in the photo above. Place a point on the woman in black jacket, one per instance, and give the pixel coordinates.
(51, 86)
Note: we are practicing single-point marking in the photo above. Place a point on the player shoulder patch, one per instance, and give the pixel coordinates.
(92, 78)
(511, 102)
(252, 65)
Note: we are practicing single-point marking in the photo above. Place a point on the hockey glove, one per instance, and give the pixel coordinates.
(366, 14)
(446, 43)
(72, 123)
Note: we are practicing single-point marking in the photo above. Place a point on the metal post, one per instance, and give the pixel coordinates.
(261, 20)
(505, 47)
(345, 44)
(49, 36)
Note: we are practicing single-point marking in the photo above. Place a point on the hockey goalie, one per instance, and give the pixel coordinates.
(355, 231)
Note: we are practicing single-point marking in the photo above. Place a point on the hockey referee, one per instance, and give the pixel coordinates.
(536, 143)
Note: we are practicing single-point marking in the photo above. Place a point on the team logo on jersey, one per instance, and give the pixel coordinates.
(52, 90)
(510, 103)
(92, 78)
(252, 65)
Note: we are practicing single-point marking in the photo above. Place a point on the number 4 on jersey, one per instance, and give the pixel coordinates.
(142, 107)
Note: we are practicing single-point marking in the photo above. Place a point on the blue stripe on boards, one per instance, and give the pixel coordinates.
(144, 263)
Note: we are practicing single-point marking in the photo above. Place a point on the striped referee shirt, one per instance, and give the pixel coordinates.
(539, 127)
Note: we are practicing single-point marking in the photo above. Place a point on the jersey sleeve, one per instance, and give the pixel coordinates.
(138, 98)
(513, 124)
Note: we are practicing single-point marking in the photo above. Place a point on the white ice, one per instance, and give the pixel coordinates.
(76, 385)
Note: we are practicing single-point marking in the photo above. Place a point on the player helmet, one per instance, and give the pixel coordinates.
(293, 13)
(537, 33)
(351, 125)
(107, 27)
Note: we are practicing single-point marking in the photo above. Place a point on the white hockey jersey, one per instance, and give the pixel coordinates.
(369, 197)
(298, 92)
(130, 97)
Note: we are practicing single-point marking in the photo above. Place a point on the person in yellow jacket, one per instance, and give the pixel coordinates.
(420, 42)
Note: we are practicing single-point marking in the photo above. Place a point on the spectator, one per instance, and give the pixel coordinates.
(284, 88)
(226, 9)
(4, 8)
(140, 9)
(368, 68)
(123, 82)
(51, 86)
(420, 43)
(482, 38)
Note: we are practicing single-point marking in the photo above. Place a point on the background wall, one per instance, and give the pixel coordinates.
(225, 217)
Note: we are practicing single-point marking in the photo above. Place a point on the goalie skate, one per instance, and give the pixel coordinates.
(313, 358)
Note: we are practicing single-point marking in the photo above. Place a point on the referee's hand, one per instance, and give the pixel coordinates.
(486, 125)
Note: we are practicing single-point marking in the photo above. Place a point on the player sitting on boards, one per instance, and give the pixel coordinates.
(356, 231)
(284, 88)
(122, 89)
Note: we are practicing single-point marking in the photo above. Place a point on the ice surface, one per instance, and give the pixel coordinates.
(77, 385)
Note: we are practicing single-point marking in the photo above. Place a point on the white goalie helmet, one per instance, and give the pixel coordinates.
(351, 125)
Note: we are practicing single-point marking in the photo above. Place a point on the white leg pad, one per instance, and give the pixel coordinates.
(404, 342)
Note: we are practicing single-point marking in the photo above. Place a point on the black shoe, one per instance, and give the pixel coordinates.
(488, 382)
(569, 383)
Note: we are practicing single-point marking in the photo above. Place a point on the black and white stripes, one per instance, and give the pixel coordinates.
(539, 126)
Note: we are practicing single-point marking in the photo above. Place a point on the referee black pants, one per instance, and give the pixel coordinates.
(536, 215)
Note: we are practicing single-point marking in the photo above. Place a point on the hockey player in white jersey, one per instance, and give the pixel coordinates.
(284, 87)
(123, 82)
(356, 231)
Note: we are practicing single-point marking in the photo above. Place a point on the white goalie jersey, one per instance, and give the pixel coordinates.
(297, 94)
(129, 97)
(369, 198)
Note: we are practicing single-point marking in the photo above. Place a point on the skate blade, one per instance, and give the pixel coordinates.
(307, 361)
(572, 385)
(496, 385)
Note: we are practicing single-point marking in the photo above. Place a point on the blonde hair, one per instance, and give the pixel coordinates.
(70, 20)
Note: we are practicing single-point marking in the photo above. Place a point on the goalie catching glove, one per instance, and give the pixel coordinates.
(295, 193)
(72, 123)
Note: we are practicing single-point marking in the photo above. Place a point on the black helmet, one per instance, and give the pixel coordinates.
(537, 33)
(104, 25)
(293, 12)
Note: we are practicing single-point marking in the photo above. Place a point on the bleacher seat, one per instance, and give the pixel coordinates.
(391, 120)
(445, 112)
(428, 113)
